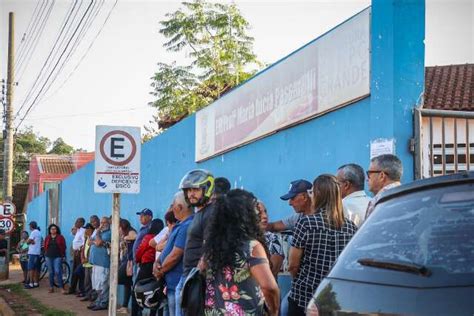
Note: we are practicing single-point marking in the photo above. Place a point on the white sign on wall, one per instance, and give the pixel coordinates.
(117, 159)
(332, 71)
(382, 146)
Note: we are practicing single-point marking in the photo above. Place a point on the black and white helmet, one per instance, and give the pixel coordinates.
(149, 292)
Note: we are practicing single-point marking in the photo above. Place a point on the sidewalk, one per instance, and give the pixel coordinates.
(57, 300)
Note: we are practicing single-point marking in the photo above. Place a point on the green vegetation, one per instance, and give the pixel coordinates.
(28, 303)
(214, 38)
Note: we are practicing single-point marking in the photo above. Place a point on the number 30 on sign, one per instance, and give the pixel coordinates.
(6, 224)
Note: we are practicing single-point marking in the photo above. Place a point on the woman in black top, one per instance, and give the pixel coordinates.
(55, 251)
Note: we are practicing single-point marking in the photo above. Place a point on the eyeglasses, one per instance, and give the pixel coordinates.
(310, 192)
(369, 172)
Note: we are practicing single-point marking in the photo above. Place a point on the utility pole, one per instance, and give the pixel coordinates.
(8, 135)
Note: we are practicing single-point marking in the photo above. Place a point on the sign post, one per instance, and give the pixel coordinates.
(7, 223)
(117, 170)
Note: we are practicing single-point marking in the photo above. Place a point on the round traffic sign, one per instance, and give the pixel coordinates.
(7, 209)
(7, 224)
(118, 151)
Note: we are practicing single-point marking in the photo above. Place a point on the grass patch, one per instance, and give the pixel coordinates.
(27, 303)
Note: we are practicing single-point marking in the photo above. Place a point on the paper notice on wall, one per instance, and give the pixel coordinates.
(382, 146)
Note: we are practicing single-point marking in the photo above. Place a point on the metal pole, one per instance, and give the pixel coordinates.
(8, 146)
(114, 255)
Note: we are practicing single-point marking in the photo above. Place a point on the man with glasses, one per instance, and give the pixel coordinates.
(384, 173)
(351, 180)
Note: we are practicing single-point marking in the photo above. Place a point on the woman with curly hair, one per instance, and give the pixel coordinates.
(318, 239)
(239, 280)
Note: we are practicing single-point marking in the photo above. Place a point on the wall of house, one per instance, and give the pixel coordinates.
(449, 135)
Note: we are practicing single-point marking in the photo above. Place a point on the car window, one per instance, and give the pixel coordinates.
(432, 228)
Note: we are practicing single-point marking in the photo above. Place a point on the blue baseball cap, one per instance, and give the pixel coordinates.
(297, 186)
(146, 211)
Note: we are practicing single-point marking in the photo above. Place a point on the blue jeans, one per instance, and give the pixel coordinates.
(55, 269)
(178, 294)
(171, 308)
(284, 305)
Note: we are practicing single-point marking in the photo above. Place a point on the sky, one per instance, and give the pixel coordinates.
(110, 85)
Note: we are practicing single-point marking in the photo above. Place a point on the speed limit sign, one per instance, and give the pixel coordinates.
(6, 224)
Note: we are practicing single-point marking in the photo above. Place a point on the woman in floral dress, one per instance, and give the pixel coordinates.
(239, 280)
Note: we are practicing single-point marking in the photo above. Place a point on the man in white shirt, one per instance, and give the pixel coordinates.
(34, 252)
(384, 173)
(77, 244)
(351, 179)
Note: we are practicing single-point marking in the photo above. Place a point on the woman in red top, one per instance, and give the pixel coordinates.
(145, 257)
(55, 251)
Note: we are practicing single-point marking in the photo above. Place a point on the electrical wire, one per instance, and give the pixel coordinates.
(37, 80)
(55, 66)
(86, 52)
(84, 29)
(32, 30)
(86, 114)
(32, 49)
(26, 33)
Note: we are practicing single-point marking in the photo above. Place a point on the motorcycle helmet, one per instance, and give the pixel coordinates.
(198, 179)
(149, 292)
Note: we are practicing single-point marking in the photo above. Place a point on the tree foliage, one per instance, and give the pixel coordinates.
(61, 148)
(28, 143)
(214, 37)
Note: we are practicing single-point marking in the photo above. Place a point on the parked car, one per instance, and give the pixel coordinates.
(413, 256)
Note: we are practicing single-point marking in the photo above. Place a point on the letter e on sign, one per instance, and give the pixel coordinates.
(117, 159)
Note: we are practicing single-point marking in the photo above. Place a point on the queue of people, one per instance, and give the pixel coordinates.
(224, 234)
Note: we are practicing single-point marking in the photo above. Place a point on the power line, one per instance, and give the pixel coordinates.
(84, 29)
(30, 92)
(54, 68)
(86, 52)
(36, 15)
(32, 48)
(27, 31)
(87, 114)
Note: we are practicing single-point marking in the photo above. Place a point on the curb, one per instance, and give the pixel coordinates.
(5, 310)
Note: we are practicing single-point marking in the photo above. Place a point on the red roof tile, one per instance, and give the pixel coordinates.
(449, 87)
(56, 164)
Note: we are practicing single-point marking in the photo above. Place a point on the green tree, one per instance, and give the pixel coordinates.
(26, 144)
(221, 56)
(61, 148)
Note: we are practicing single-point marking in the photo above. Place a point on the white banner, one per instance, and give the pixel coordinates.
(327, 73)
(117, 159)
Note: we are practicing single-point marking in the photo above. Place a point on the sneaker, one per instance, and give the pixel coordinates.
(85, 299)
(29, 286)
(36, 285)
(99, 308)
(122, 310)
(91, 306)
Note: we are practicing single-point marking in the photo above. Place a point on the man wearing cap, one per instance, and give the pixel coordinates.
(298, 197)
(300, 200)
(146, 216)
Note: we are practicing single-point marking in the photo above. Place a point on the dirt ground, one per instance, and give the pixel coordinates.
(20, 304)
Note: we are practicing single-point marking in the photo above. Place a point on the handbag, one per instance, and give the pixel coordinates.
(194, 293)
(122, 277)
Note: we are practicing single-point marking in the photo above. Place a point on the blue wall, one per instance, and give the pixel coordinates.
(267, 166)
(38, 212)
